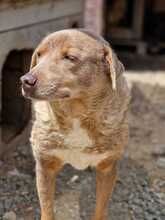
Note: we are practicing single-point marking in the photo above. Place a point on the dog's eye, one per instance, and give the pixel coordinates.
(38, 54)
(70, 57)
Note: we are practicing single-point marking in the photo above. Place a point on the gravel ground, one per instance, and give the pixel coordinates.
(140, 190)
(133, 197)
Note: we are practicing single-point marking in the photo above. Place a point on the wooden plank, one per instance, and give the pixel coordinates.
(136, 31)
(138, 18)
(20, 17)
(93, 18)
(159, 6)
(121, 33)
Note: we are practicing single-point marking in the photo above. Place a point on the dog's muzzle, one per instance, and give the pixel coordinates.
(29, 82)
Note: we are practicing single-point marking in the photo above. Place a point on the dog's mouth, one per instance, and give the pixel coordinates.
(60, 93)
(26, 93)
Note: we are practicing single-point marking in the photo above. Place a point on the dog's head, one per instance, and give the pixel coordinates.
(70, 64)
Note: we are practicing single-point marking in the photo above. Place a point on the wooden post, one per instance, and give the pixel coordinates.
(93, 16)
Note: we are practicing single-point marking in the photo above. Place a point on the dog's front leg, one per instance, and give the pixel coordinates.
(106, 174)
(46, 173)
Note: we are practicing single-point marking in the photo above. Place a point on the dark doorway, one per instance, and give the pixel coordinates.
(16, 111)
(154, 24)
(136, 25)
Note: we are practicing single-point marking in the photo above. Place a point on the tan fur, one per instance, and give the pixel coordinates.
(80, 102)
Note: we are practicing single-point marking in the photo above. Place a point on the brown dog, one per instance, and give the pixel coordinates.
(80, 99)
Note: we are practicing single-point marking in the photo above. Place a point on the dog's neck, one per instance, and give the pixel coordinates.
(88, 111)
(81, 107)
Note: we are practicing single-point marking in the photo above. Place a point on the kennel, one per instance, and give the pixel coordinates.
(22, 25)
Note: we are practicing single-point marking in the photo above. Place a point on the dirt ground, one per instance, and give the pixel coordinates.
(140, 190)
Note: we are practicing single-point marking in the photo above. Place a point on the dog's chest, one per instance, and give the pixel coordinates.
(77, 137)
(75, 142)
(69, 146)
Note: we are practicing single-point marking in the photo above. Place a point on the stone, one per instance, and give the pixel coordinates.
(9, 216)
(161, 162)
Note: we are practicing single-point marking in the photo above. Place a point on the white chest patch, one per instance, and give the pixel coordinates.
(78, 159)
(78, 137)
(76, 141)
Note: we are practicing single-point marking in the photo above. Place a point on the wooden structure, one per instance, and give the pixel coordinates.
(23, 24)
(94, 15)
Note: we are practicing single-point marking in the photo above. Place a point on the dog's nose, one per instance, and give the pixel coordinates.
(28, 83)
(28, 80)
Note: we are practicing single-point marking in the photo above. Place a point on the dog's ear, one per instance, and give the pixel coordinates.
(33, 60)
(115, 66)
